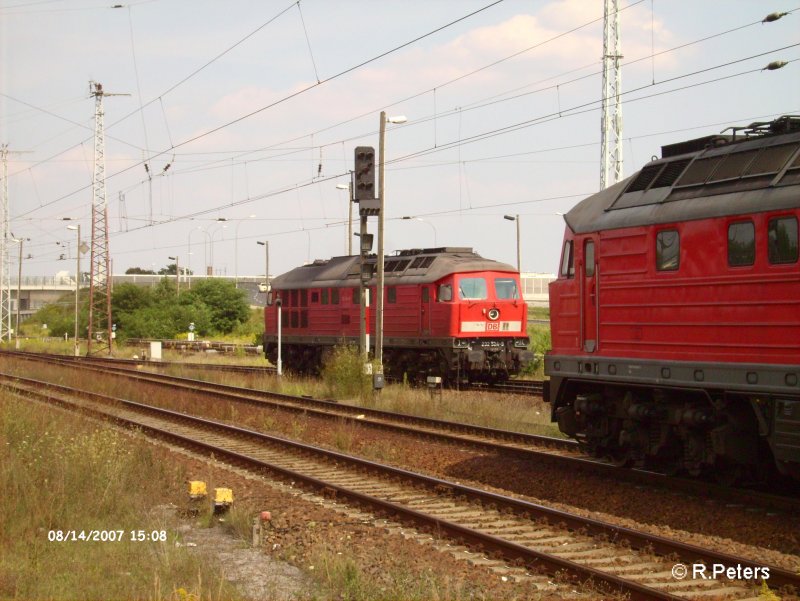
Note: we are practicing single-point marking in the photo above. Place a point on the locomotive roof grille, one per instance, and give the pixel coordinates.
(414, 266)
(711, 181)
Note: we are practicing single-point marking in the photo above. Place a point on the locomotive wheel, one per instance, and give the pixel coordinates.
(619, 456)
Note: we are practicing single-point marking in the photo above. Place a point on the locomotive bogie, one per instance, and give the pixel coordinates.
(676, 314)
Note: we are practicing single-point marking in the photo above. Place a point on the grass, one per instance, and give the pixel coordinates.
(61, 473)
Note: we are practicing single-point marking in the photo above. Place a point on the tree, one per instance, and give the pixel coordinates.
(227, 304)
(139, 271)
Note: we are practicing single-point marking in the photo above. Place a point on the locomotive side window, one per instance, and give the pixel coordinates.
(567, 261)
(588, 255)
(782, 240)
(741, 243)
(668, 250)
(324, 296)
(356, 296)
(472, 289)
(334, 296)
(445, 293)
(294, 298)
(391, 294)
(425, 294)
(506, 288)
(304, 298)
(315, 297)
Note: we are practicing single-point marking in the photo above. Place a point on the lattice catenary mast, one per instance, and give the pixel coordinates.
(611, 120)
(100, 274)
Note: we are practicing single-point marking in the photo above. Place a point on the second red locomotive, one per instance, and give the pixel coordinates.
(448, 312)
(676, 314)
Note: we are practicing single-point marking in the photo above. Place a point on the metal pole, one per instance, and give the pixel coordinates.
(363, 345)
(265, 244)
(280, 362)
(19, 295)
(381, 216)
(77, 288)
(519, 263)
(350, 218)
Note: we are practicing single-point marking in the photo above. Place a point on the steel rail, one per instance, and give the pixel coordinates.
(447, 432)
(512, 551)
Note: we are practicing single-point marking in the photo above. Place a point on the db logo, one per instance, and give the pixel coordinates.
(493, 327)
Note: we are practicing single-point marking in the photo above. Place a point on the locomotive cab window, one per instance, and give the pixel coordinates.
(472, 289)
(782, 240)
(567, 261)
(506, 288)
(588, 256)
(445, 293)
(668, 250)
(741, 244)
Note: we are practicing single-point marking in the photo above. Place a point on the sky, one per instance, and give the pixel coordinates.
(236, 120)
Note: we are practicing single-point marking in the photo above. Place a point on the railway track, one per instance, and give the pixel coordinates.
(618, 560)
(561, 453)
(524, 387)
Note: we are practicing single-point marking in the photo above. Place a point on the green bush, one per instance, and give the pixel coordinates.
(343, 374)
(540, 343)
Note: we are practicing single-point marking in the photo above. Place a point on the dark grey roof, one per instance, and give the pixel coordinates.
(755, 175)
(417, 266)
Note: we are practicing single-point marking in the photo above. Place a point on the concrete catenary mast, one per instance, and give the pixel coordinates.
(611, 120)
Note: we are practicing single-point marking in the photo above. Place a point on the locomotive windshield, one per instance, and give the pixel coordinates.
(506, 288)
(472, 289)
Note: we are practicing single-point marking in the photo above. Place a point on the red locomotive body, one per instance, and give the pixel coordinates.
(447, 312)
(676, 315)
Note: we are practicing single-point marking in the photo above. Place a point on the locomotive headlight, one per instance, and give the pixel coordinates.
(493, 314)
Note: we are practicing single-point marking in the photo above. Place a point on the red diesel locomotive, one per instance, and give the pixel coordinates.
(676, 313)
(448, 312)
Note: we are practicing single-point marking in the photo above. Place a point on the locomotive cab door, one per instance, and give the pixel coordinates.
(590, 297)
(425, 309)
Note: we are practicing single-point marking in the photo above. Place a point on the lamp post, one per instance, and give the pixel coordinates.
(177, 275)
(349, 187)
(19, 291)
(265, 244)
(515, 218)
(77, 282)
(236, 252)
(381, 219)
(408, 217)
(211, 236)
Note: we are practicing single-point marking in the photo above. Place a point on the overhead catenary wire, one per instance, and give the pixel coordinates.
(289, 96)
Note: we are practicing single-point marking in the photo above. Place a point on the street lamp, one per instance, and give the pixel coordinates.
(236, 251)
(210, 236)
(77, 281)
(381, 219)
(177, 275)
(349, 187)
(265, 244)
(19, 290)
(515, 218)
(427, 222)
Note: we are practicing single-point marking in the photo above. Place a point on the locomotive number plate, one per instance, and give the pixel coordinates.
(491, 326)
